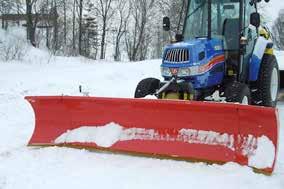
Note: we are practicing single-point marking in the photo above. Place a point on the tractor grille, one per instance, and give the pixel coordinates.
(177, 55)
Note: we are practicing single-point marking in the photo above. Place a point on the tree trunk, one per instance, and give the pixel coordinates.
(80, 26)
(65, 22)
(55, 29)
(181, 15)
(30, 27)
(103, 40)
(117, 55)
(73, 28)
(47, 28)
(3, 23)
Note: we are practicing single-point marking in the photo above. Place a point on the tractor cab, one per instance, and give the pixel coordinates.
(234, 22)
(222, 45)
(211, 20)
(230, 26)
(223, 50)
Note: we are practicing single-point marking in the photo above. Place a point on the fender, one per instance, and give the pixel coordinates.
(260, 49)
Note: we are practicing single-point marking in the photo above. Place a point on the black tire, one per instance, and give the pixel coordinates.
(147, 87)
(236, 93)
(281, 80)
(262, 87)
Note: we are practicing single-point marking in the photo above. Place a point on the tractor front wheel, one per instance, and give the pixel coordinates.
(238, 93)
(147, 87)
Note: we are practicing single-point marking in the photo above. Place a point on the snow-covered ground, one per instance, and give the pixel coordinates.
(25, 167)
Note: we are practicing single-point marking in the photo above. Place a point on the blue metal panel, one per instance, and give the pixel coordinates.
(255, 61)
(209, 79)
(211, 48)
(254, 68)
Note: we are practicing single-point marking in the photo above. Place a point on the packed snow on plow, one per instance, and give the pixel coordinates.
(199, 131)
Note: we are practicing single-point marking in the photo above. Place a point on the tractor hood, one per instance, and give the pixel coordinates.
(191, 53)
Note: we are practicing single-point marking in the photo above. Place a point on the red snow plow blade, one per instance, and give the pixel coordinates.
(198, 131)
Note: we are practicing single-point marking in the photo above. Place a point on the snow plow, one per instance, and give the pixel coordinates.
(198, 131)
(231, 60)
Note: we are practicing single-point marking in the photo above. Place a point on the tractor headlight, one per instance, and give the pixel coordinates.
(194, 70)
(189, 71)
(181, 72)
(184, 72)
(166, 72)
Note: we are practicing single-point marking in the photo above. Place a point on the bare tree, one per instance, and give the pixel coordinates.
(74, 28)
(65, 21)
(123, 17)
(105, 11)
(136, 39)
(135, 25)
(31, 22)
(90, 32)
(12, 46)
(80, 25)
(55, 27)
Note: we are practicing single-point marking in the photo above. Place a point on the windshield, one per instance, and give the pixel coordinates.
(196, 24)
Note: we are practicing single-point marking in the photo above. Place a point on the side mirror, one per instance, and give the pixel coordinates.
(166, 24)
(255, 19)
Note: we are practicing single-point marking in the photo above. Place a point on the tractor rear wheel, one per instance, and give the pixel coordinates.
(238, 93)
(147, 87)
(266, 88)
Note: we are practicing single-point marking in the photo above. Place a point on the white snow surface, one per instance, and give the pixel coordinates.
(54, 167)
(264, 155)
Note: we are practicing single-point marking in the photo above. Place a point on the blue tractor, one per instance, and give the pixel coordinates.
(223, 50)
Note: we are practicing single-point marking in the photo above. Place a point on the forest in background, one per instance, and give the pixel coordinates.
(100, 29)
(97, 29)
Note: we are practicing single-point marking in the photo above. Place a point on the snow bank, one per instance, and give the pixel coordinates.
(15, 48)
(37, 56)
(13, 44)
